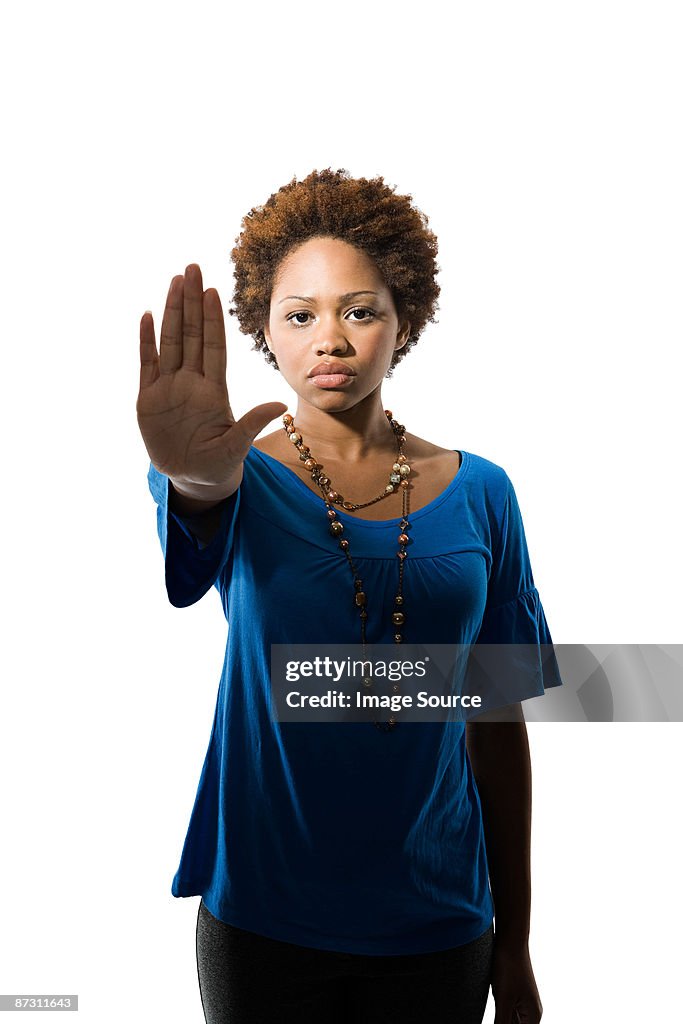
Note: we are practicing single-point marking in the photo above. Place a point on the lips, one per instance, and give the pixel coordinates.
(331, 368)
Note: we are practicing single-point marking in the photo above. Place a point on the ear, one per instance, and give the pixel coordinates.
(403, 335)
(266, 334)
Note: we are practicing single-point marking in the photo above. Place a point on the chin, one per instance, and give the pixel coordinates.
(330, 399)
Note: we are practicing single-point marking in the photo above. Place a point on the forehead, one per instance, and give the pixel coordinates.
(326, 260)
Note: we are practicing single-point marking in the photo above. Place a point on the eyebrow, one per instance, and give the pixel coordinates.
(342, 298)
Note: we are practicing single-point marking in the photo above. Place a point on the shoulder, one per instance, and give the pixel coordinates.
(488, 472)
(481, 469)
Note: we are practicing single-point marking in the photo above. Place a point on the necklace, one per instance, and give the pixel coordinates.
(398, 477)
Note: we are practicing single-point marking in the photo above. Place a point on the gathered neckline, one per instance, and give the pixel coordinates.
(357, 520)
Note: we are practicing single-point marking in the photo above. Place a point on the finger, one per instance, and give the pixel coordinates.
(193, 319)
(214, 338)
(171, 346)
(149, 360)
(253, 422)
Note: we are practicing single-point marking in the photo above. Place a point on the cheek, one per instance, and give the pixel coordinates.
(381, 351)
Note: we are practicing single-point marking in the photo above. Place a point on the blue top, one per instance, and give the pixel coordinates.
(335, 835)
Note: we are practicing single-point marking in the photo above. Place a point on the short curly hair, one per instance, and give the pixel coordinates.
(368, 214)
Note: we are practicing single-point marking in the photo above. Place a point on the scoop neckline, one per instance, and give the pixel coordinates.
(374, 523)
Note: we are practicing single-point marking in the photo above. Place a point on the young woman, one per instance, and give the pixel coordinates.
(343, 868)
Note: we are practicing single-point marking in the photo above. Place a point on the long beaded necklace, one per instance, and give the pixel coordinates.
(398, 477)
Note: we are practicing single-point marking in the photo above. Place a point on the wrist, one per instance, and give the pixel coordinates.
(187, 498)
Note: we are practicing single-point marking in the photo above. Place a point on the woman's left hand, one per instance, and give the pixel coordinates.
(514, 986)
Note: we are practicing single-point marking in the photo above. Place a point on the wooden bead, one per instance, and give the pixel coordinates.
(336, 529)
(398, 600)
(332, 495)
(403, 538)
(405, 483)
(309, 464)
(287, 418)
(360, 598)
(389, 414)
(344, 544)
(398, 618)
(402, 458)
(331, 513)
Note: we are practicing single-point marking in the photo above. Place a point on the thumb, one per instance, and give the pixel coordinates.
(253, 422)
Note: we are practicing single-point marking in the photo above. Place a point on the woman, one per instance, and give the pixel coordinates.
(343, 867)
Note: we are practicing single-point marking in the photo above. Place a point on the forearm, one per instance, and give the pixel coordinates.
(499, 755)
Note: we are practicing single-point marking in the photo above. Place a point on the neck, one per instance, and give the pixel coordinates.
(353, 434)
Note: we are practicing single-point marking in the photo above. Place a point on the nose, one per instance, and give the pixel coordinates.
(329, 337)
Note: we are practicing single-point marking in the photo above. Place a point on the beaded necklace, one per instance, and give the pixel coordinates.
(397, 478)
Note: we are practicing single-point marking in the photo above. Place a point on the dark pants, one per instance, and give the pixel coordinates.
(246, 978)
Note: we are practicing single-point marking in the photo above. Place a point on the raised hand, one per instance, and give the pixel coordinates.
(183, 408)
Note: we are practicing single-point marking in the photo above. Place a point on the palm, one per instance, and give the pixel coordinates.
(185, 420)
(183, 408)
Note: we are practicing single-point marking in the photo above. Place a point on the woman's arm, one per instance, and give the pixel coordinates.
(499, 755)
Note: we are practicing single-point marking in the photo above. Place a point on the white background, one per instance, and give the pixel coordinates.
(543, 142)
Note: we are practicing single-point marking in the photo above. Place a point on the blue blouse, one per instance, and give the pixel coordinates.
(335, 835)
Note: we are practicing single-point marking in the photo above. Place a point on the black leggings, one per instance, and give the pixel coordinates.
(245, 978)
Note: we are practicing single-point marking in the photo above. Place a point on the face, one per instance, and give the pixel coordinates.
(330, 305)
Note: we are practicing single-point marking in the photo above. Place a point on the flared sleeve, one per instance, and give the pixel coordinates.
(513, 655)
(191, 567)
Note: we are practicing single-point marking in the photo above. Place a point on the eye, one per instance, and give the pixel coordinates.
(363, 309)
(358, 309)
(298, 324)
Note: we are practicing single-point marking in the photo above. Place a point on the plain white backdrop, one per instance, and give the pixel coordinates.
(543, 142)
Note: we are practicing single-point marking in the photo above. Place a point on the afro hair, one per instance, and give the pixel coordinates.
(368, 214)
